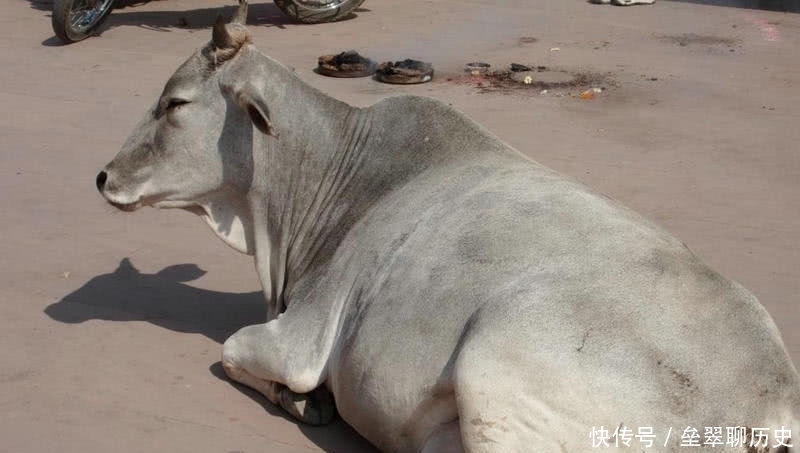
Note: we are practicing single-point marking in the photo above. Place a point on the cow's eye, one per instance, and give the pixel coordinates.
(175, 103)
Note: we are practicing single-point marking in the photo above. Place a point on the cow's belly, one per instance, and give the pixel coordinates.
(393, 384)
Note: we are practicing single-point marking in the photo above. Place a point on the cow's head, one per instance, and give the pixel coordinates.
(196, 141)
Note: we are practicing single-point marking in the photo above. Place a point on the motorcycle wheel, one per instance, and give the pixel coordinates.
(74, 20)
(317, 11)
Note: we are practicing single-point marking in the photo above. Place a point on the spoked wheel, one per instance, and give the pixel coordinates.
(316, 11)
(74, 20)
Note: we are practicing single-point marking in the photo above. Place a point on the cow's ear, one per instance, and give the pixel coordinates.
(260, 119)
(253, 103)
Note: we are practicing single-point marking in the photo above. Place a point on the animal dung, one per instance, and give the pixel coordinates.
(404, 72)
(345, 64)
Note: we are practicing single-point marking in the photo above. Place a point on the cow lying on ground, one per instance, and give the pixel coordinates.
(449, 294)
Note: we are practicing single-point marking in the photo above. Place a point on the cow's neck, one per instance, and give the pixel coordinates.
(300, 209)
(228, 215)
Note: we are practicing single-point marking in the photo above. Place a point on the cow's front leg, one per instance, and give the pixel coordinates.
(286, 361)
(314, 408)
(270, 389)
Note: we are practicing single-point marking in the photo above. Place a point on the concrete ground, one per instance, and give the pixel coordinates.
(111, 324)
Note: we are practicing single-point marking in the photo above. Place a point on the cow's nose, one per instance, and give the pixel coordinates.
(101, 180)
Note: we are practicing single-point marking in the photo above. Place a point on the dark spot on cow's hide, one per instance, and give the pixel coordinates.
(583, 342)
(683, 379)
(680, 397)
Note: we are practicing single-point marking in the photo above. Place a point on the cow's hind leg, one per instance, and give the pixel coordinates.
(499, 410)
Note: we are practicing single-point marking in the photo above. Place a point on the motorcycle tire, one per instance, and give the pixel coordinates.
(318, 11)
(75, 20)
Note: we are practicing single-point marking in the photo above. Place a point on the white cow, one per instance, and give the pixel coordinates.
(449, 294)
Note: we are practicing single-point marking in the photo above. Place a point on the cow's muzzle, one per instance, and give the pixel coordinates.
(100, 182)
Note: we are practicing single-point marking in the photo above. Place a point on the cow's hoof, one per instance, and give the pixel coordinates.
(314, 408)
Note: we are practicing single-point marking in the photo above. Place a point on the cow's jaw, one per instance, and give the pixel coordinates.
(174, 204)
(129, 201)
(127, 204)
(129, 207)
(153, 201)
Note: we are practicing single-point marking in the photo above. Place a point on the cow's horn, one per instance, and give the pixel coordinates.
(220, 36)
(227, 40)
(241, 13)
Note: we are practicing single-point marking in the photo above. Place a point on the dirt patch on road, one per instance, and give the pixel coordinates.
(688, 39)
(539, 80)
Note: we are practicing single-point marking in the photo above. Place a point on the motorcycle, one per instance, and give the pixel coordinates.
(74, 20)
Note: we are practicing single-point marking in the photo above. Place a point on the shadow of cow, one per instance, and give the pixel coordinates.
(161, 299)
(165, 300)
